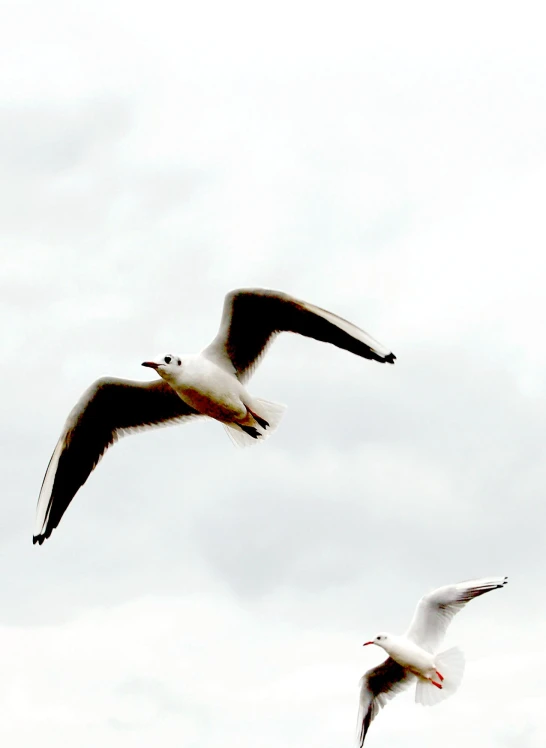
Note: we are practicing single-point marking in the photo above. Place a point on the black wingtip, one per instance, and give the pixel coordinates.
(38, 539)
(390, 359)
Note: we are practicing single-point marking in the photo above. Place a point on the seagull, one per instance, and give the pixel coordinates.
(413, 657)
(210, 383)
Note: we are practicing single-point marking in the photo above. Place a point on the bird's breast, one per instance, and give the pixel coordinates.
(210, 390)
(411, 656)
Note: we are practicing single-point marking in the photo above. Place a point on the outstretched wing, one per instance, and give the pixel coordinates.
(377, 686)
(109, 409)
(252, 317)
(435, 610)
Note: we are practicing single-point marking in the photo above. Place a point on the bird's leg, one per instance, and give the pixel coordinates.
(438, 685)
(440, 675)
(261, 421)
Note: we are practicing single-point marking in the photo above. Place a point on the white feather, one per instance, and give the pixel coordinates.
(451, 665)
(435, 610)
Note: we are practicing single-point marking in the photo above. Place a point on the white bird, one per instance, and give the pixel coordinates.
(210, 383)
(413, 657)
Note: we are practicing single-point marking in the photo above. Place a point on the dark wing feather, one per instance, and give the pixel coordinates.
(107, 410)
(252, 317)
(377, 686)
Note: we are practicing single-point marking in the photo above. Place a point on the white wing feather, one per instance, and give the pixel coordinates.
(436, 609)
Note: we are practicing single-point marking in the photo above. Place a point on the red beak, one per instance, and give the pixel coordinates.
(366, 643)
(151, 364)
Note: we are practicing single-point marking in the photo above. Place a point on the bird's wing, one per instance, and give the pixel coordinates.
(253, 316)
(435, 610)
(109, 409)
(378, 686)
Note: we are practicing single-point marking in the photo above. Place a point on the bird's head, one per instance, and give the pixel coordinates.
(382, 640)
(167, 367)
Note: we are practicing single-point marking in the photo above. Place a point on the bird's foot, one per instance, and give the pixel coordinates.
(251, 431)
(438, 685)
(259, 420)
(440, 675)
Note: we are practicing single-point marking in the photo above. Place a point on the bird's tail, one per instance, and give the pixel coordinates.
(265, 414)
(450, 665)
(270, 413)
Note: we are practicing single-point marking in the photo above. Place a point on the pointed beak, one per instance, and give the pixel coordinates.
(366, 643)
(150, 364)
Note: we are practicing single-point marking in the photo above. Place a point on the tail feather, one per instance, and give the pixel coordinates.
(451, 665)
(240, 437)
(268, 413)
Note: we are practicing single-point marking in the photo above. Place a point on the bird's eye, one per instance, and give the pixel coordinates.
(179, 362)
(167, 359)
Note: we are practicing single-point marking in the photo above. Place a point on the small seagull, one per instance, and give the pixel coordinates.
(210, 383)
(413, 656)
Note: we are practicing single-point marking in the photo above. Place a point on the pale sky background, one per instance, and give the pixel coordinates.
(386, 161)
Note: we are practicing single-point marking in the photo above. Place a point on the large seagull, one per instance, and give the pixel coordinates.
(210, 383)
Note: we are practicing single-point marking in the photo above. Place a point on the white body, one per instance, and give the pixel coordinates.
(212, 389)
(411, 656)
(208, 388)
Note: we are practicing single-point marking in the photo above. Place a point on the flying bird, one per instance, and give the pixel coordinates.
(210, 383)
(413, 657)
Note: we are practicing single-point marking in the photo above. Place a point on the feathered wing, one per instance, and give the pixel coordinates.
(436, 609)
(107, 410)
(377, 686)
(253, 316)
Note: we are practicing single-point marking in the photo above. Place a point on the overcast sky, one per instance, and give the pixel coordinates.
(386, 161)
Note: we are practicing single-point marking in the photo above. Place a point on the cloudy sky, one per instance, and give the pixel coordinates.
(386, 161)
